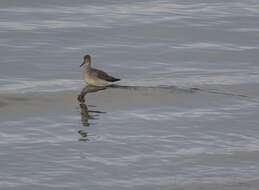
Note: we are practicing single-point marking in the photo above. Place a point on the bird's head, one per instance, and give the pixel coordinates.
(87, 60)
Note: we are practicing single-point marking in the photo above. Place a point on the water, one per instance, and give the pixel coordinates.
(188, 121)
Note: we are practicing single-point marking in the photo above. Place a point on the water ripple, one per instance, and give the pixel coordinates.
(110, 15)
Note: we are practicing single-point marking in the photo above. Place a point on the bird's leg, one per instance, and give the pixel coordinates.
(81, 96)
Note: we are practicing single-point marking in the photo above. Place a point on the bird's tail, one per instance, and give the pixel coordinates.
(114, 79)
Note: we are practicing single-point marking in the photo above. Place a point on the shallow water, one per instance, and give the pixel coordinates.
(184, 116)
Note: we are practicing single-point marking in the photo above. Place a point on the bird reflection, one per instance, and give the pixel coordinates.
(86, 114)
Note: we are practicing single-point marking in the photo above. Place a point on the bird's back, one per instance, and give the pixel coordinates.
(102, 75)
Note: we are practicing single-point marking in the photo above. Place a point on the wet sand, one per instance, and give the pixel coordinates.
(118, 97)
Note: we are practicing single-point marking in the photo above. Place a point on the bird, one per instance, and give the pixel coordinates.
(95, 77)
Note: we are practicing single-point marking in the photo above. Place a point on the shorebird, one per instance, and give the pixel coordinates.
(95, 77)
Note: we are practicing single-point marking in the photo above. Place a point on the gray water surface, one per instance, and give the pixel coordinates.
(184, 116)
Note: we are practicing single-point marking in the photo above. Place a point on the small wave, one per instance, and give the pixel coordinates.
(25, 85)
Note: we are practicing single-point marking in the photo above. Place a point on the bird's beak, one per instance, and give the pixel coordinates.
(82, 64)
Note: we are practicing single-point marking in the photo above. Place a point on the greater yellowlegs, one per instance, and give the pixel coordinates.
(96, 77)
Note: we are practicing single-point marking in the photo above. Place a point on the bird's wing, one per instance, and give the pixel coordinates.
(102, 75)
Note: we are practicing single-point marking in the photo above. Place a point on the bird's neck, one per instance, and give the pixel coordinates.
(87, 67)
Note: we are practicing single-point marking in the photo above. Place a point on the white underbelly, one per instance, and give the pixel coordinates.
(96, 82)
